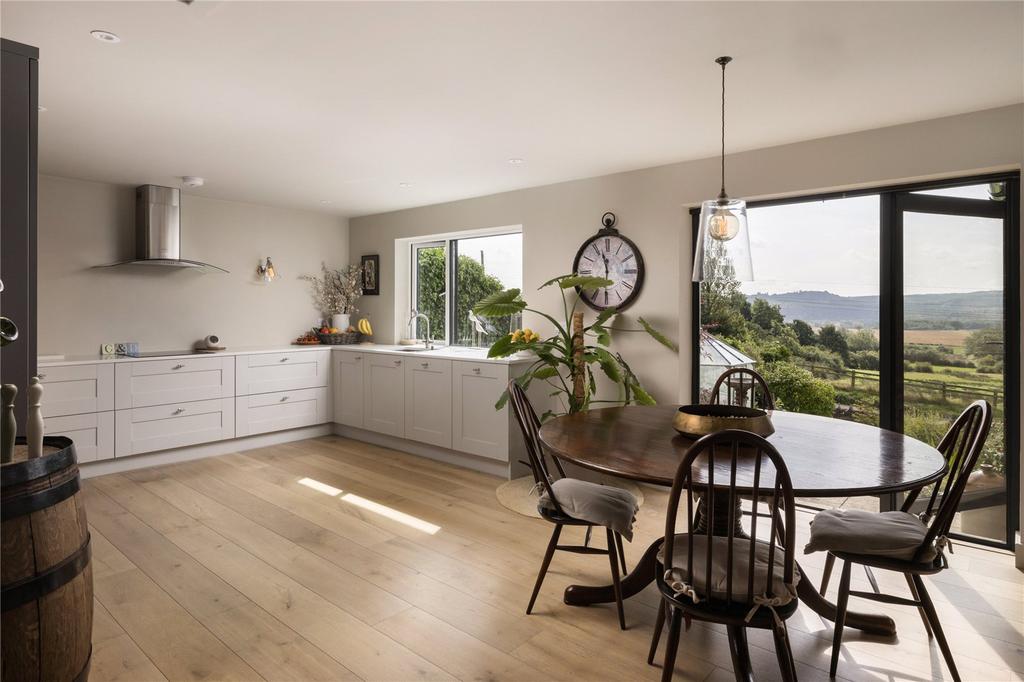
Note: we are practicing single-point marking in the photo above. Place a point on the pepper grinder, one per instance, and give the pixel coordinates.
(34, 426)
(8, 392)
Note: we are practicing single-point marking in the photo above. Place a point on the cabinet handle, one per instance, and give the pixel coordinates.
(283, 359)
(177, 366)
(283, 398)
(424, 365)
(476, 370)
(398, 362)
(359, 357)
(179, 410)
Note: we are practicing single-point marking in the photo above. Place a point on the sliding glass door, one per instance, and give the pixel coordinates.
(954, 332)
(894, 307)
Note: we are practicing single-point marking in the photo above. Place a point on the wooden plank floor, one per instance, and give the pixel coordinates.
(331, 559)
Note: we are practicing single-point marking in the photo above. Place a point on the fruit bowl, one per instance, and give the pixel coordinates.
(695, 421)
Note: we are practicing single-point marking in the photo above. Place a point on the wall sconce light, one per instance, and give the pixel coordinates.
(266, 271)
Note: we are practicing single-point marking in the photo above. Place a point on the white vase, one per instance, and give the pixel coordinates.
(341, 321)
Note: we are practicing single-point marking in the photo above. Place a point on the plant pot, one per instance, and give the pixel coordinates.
(341, 321)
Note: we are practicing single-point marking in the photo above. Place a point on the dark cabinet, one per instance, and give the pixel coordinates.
(19, 125)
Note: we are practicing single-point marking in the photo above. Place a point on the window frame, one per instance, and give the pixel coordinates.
(414, 278)
(894, 199)
(449, 242)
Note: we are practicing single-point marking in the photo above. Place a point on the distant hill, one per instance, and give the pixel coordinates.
(921, 311)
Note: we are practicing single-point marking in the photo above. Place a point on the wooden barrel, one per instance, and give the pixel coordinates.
(46, 598)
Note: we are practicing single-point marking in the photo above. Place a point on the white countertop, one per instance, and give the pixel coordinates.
(447, 352)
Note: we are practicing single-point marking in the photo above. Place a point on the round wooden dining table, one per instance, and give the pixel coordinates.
(825, 457)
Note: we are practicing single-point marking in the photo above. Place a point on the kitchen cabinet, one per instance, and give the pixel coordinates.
(384, 394)
(77, 389)
(175, 380)
(428, 401)
(93, 434)
(347, 385)
(266, 412)
(161, 427)
(477, 427)
(270, 372)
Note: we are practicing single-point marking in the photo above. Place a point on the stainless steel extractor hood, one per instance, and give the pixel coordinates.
(158, 230)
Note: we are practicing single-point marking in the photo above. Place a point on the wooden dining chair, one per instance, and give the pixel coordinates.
(551, 506)
(743, 387)
(961, 447)
(736, 580)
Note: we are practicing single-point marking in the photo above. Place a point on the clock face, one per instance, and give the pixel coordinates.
(613, 257)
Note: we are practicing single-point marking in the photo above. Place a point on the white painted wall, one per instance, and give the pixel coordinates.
(652, 206)
(82, 224)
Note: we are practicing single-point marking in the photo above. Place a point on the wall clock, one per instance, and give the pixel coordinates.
(610, 255)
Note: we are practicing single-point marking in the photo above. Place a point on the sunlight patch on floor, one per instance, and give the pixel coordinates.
(320, 487)
(371, 506)
(393, 514)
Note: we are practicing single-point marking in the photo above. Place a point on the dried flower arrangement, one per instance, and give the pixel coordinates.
(336, 291)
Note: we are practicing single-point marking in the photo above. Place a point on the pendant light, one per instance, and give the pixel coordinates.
(723, 241)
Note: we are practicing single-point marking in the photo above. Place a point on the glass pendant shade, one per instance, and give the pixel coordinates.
(723, 242)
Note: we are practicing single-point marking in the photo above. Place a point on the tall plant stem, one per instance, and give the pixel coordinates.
(578, 374)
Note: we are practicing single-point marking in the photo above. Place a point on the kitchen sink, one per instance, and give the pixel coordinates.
(416, 349)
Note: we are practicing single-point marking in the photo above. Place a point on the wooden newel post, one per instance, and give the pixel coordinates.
(579, 376)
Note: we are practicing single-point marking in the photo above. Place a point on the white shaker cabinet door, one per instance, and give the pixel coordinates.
(161, 427)
(477, 427)
(348, 388)
(428, 401)
(93, 434)
(384, 394)
(77, 389)
(271, 372)
(267, 412)
(146, 383)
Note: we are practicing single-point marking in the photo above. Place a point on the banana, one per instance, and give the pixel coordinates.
(365, 328)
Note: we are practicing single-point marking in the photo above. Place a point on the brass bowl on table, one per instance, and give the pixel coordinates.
(695, 421)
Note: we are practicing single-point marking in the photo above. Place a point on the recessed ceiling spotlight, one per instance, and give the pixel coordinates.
(192, 181)
(325, 201)
(405, 185)
(516, 162)
(104, 36)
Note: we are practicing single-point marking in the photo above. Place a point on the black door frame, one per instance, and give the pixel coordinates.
(894, 200)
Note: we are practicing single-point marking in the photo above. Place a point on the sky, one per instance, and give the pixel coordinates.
(834, 246)
(502, 256)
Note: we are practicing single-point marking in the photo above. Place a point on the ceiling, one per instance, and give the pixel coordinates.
(296, 103)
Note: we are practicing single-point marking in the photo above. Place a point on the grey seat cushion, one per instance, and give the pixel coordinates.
(603, 505)
(892, 534)
(679, 579)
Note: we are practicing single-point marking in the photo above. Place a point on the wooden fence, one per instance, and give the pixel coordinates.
(945, 388)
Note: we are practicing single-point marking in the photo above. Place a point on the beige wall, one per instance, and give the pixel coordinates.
(652, 206)
(82, 224)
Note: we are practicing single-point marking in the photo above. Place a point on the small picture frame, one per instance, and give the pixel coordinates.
(371, 275)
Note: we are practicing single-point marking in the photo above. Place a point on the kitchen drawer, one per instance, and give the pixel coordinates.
(270, 372)
(77, 389)
(145, 429)
(477, 427)
(93, 434)
(281, 410)
(176, 380)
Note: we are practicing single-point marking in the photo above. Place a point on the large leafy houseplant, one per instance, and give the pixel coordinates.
(567, 360)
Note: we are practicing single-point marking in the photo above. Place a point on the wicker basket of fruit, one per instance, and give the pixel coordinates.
(333, 336)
